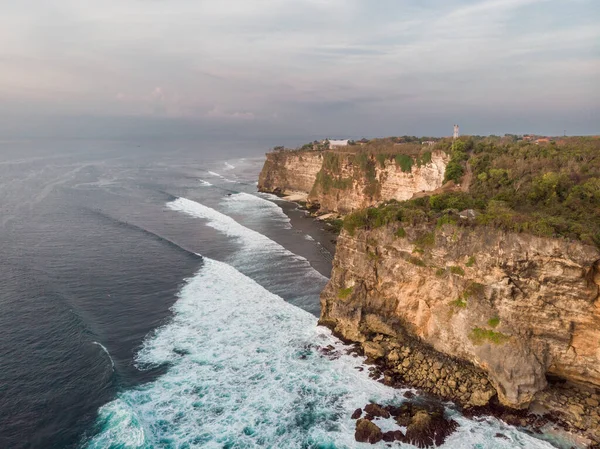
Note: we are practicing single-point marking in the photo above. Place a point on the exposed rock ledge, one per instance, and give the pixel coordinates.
(515, 307)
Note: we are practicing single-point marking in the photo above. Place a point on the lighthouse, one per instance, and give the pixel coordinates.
(456, 131)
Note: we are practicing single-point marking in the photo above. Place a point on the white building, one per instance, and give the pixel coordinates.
(337, 143)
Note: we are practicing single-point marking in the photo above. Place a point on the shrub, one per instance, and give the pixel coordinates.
(454, 172)
(416, 261)
(400, 233)
(405, 162)
(479, 336)
(457, 270)
(460, 302)
(331, 162)
(446, 219)
(427, 239)
(369, 173)
(336, 225)
(470, 262)
(343, 293)
(545, 190)
(425, 158)
(455, 200)
(355, 220)
(327, 182)
(474, 289)
(440, 272)
(373, 256)
(493, 322)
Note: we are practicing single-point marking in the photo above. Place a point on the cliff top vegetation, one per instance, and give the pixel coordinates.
(390, 146)
(550, 189)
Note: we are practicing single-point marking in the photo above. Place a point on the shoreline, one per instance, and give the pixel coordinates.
(414, 365)
(293, 205)
(545, 416)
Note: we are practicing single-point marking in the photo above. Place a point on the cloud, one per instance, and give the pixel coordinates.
(288, 62)
(218, 113)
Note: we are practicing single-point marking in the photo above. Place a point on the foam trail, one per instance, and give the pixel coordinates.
(112, 362)
(204, 183)
(221, 176)
(244, 372)
(256, 206)
(254, 244)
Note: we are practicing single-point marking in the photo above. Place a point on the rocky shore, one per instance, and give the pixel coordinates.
(567, 410)
(498, 322)
(421, 424)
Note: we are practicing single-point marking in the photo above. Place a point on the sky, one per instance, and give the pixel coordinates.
(330, 68)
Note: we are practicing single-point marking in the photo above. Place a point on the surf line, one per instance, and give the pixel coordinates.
(112, 362)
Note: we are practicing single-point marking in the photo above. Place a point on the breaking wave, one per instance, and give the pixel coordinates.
(221, 176)
(112, 362)
(262, 259)
(257, 207)
(245, 371)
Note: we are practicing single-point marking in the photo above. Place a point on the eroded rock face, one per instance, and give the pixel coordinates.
(297, 172)
(515, 305)
(290, 172)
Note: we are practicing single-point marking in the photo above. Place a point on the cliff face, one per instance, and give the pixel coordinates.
(343, 182)
(290, 172)
(517, 306)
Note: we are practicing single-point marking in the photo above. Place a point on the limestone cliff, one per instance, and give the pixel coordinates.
(517, 306)
(343, 182)
(290, 171)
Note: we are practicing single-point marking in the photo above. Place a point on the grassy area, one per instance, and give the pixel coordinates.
(416, 261)
(550, 190)
(343, 293)
(400, 232)
(479, 336)
(460, 302)
(493, 322)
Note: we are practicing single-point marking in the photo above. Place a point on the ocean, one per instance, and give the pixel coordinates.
(151, 298)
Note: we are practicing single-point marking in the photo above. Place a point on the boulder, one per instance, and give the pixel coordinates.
(367, 432)
(373, 350)
(377, 411)
(357, 413)
(429, 427)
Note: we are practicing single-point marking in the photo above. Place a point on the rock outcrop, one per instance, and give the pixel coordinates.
(290, 171)
(343, 182)
(516, 307)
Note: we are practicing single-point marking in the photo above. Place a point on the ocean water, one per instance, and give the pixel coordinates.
(153, 299)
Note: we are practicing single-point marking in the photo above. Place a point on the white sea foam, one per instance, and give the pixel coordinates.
(244, 373)
(112, 362)
(221, 176)
(204, 183)
(261, 208)
(228, 166)
(255, 247)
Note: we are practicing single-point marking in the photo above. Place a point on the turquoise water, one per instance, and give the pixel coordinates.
(244, 369)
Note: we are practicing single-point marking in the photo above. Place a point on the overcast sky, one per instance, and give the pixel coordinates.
(294, 67)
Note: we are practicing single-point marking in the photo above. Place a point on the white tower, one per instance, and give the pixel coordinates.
(456, 131)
